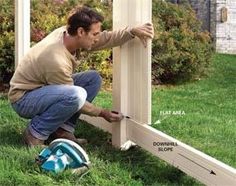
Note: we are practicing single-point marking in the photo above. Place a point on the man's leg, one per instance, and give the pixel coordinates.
(91, 82)
(49, 107)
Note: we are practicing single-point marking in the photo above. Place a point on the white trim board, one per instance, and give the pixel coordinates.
(97, 122)
(193, 162)
(22, 29)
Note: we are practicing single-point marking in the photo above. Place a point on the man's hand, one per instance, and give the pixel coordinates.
(111, 116)
(143, 32)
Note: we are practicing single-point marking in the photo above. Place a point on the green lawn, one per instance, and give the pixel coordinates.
(208, 124)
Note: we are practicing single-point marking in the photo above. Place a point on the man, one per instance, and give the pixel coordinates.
(44, 88)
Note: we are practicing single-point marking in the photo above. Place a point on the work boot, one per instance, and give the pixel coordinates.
(61, 133)
(30, 140)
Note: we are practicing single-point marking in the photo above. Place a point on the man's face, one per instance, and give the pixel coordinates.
(88, 39)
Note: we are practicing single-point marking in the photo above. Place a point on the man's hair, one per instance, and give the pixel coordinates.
(82, 16)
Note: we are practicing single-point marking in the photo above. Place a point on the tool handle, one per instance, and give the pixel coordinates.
(115, 112)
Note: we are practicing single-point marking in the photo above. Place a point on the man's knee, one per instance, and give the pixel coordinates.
(96, 78)
(77, 97)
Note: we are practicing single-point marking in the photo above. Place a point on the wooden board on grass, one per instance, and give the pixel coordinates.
(191, 161)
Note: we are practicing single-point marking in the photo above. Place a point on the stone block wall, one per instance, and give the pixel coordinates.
(210, 12)
(226, 31)
(202, 8)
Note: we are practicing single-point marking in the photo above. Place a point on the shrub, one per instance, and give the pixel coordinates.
(180, 50)
(100, 61)
(47, 16)
(6, 40)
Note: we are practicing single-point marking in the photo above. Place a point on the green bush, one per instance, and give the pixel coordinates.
(100, 61)
(49, 15)
(6, 40)
(180, 50)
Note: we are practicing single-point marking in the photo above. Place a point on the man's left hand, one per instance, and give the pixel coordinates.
(143, 32)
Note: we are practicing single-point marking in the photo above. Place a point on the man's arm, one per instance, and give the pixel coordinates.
(109, 39)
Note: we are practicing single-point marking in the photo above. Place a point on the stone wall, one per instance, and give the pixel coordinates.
(210, 12)
(202, 8)
(226, 31)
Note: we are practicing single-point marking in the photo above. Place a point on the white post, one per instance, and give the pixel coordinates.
(22, 29)
(132, 64)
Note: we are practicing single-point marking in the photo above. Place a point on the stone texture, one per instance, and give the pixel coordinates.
(224, 33)
(209, 12)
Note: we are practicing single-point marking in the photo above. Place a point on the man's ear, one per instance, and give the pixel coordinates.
(80, 31)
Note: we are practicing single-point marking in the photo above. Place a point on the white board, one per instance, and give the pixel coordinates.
(132, 68)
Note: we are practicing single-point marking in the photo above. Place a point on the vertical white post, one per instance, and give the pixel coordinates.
(132, 68)
(22, 29)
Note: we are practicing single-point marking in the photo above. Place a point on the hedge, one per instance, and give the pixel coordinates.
(181, 51)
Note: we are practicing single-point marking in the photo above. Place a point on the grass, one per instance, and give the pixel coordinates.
(209, 124)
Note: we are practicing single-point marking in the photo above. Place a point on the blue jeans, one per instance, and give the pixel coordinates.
(53, 106)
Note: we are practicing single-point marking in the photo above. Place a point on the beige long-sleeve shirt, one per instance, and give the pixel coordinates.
(49, 62)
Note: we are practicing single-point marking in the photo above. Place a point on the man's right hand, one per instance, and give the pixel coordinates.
(111, 116)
